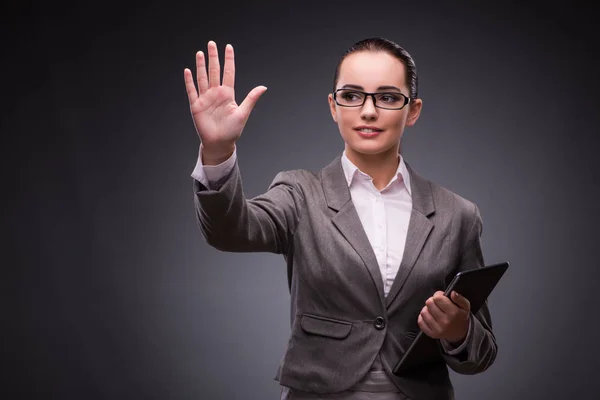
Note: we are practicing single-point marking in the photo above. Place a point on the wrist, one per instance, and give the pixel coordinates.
(216, 154)
(456, 341)
(460, 338)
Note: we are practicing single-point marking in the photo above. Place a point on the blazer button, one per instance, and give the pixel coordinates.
(379, 323)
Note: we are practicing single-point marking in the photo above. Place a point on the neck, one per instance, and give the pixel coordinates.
(381, 167)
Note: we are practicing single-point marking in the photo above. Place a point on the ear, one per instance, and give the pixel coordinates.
(414, 111)
(332, 107)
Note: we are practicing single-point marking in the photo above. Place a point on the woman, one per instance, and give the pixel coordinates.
(368, 242)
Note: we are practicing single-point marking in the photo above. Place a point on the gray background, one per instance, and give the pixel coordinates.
(111, 291)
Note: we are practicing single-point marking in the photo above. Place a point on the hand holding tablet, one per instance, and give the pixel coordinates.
(475, 285)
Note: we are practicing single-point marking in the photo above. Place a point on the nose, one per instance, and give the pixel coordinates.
(368, 110)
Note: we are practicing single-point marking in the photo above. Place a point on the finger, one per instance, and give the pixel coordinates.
(189, 86)
(250, 101)
(434, 309)
(201, 72)
(425, 327)
(445, 304)
(461, 301)
(214, 68)
(429, 320)
(229, 68)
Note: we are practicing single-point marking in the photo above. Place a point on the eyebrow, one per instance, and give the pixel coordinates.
(357, 87)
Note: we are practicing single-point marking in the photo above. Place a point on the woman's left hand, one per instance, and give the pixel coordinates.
(443, 318)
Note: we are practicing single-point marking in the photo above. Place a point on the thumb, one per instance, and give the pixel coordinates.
(461, 301)
(251, 99)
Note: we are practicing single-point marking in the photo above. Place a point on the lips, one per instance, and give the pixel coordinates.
(368, 131)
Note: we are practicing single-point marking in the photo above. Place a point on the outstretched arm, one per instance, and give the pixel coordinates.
(227, 219)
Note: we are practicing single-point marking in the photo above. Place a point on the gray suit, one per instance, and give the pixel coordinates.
(340, 318)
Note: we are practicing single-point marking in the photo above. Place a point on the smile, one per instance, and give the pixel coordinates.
(368, 130)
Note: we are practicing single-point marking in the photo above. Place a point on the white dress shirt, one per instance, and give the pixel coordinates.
(384, 214)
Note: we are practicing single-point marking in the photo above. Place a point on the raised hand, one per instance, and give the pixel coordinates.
(219, 121)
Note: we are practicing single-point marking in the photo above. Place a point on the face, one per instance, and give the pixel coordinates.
(370, 71)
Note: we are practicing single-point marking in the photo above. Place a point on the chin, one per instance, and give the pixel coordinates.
(370, 147)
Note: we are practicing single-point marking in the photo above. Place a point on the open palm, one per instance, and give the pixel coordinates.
(218, 119)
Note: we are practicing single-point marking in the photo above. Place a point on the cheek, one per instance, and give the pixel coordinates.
(344, 121)
(398, 120)
(397, 125)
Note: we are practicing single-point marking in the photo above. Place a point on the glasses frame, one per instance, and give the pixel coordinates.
(372, 95)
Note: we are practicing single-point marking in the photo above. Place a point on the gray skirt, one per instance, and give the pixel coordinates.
(375, 385)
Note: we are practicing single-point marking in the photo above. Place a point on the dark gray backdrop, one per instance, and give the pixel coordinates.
(112, 292)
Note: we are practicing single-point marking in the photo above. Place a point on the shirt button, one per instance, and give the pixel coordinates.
(380, 225)
(379, 323)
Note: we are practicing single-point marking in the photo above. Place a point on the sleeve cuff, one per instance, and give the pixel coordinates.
(450, 349)
(212, 175)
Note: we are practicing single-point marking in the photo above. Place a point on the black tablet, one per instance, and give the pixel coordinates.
(475, 285)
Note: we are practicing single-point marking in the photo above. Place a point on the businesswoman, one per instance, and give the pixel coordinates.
(369, 243)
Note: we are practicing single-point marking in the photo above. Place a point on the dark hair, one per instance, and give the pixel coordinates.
(385, 45)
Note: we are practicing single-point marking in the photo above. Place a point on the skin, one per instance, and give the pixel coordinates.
(219, 122)
(378, 156)
(443, 318)
(218, 119)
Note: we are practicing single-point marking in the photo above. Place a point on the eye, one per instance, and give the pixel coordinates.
(351, 96)
(390, 98)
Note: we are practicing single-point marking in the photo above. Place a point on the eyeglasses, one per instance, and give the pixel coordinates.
(356, 98)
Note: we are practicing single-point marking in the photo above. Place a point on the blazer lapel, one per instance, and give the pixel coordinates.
(419, 227)
(337, 195)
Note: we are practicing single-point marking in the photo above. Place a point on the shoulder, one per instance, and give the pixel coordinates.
(302, 183)
(448, 199)
(308, 180)
(296, 177)
(459, 213)
(448, 202)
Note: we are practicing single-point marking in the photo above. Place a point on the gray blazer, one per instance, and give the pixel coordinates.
(340, 318)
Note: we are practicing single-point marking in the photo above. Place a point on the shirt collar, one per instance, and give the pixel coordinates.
(350, 171)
